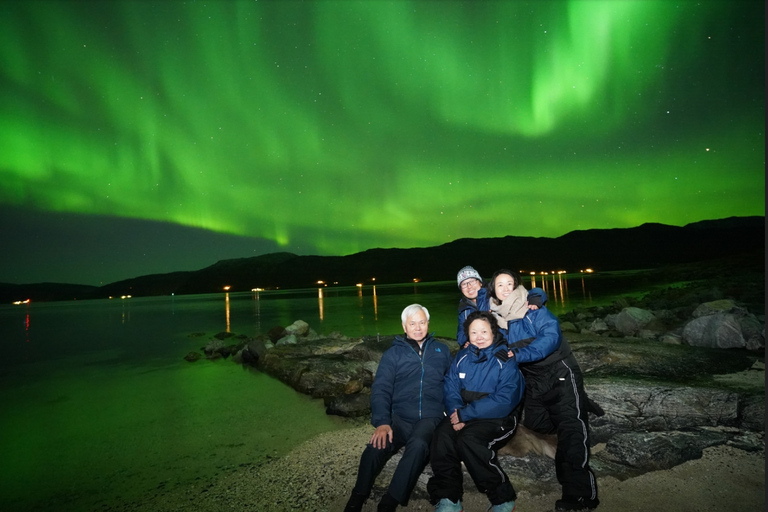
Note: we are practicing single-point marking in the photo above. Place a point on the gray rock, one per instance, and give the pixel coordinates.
(631, 320)
(213, 347)
(718, 330)
(298, 328)
(568, 327)
(350, 405)
(192, 357)
(752, 413)
(652, 451)
(610, 320)
(672, 339)
(632, 407)
(251, 352)
(598, 325)
(753, 332)
(748, 441)
(286, 340)
(716, 306)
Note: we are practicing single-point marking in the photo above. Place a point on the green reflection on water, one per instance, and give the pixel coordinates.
(111, 432)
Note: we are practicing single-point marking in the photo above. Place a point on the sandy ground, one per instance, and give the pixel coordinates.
(319, 474)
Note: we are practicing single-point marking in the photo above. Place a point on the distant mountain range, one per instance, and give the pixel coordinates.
(643, 247)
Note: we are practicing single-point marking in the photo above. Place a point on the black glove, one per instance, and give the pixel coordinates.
(502, 354)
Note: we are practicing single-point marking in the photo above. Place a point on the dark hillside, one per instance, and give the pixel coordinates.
(644, 247)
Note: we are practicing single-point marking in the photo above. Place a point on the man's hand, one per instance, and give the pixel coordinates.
(381, 435)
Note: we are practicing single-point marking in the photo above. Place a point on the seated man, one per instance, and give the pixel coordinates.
(406, 406)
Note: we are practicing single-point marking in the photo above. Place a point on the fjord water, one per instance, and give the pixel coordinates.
(97, 405)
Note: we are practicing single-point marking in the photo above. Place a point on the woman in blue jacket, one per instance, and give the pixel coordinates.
(481, 394)
(555, 401)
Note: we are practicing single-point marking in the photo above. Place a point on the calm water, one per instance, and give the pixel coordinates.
(97, 405)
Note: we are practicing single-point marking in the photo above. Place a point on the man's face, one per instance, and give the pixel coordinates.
(470, 287)
(416, 326)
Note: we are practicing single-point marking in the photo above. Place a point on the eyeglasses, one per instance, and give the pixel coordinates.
(468, 283)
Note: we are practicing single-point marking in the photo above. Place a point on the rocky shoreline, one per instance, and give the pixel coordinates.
(680, 376)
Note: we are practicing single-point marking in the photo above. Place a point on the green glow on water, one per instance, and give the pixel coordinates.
(114, 432)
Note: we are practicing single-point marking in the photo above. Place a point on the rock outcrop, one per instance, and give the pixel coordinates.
(672, 377)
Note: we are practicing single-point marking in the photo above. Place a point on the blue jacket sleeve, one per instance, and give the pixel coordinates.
(483, 303)
(452, 387)
(461, 338)
(382, 390)
(544, 327)
(503, 400)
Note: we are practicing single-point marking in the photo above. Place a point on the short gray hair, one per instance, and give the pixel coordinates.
(411, 310)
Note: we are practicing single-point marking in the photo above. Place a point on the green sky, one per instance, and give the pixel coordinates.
(333, 127)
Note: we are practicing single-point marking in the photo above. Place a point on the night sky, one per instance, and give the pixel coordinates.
(140, 137)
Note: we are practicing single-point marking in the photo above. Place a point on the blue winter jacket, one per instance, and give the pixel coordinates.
(466, 307)
(537, 336)
(407, 385)
(479, 385)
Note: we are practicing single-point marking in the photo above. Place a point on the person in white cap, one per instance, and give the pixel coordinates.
(471, 285)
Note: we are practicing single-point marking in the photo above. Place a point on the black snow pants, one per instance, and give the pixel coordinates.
(555, 403)
(476, 445)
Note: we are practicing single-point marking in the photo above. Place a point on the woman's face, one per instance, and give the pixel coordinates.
(480, 333)
(470, 287)
(504, 285)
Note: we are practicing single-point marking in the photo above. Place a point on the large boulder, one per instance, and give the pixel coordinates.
(298, 328)
(636, 406)
(717, 306)
(632, 320)
(718, 330)
(652, 451)
(352, 405)
(330, 368)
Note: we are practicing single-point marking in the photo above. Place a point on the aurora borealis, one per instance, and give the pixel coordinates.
(331, 127)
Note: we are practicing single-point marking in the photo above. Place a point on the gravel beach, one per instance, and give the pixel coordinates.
(318, 475)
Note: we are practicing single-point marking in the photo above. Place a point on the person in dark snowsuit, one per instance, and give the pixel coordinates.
(555, 401)
(406, 406)
(481, 396)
